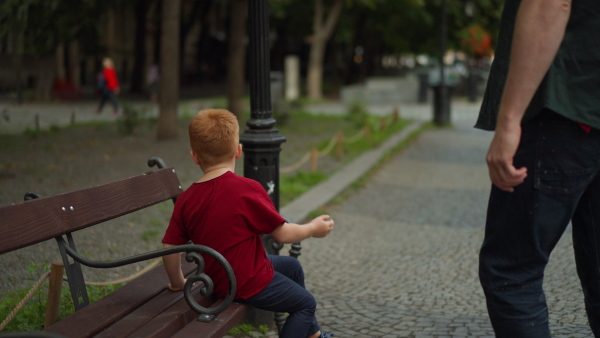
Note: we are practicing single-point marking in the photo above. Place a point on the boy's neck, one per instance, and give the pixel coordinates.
(214, 172)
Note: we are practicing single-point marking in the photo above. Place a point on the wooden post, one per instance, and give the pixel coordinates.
(368, 134)
(54, 291)
(314, 159)
(340, 145)
(37, 122)
(73, 113)
(383, 123)
(396, 115)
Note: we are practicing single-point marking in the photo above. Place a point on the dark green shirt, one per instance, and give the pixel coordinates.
(572, 85)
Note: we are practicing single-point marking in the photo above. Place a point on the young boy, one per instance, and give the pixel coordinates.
(228, 213)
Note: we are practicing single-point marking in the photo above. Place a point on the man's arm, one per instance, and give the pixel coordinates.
(539, 30)
(292, 233)
(172, 264)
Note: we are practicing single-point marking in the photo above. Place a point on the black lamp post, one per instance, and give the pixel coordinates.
(471, 85)
(261, 142)
(441, 109)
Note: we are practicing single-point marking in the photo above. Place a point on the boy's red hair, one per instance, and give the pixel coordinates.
(214, 136)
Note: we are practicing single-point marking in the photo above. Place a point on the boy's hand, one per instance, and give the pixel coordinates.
(322, 226)
(177, 287)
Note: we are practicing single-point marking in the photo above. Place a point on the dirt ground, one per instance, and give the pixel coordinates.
(82, 156)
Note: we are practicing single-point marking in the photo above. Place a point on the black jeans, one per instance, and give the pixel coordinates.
(110, 96)
(523, 227)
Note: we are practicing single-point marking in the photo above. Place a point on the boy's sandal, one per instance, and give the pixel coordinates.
(327, 335)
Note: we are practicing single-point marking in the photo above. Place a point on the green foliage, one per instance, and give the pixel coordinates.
(4, 115)
(35, 134)
(400, 26)
(357, 114)
(131, 118)
(40, 25)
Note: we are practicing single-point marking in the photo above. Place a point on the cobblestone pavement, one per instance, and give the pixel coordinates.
(402, 261)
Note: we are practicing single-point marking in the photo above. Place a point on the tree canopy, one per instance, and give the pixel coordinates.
(371, 28)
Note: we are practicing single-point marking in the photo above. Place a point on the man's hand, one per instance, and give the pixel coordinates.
(500, 158)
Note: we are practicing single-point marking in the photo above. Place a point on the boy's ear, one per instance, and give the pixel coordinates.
(238, 151)
(195, 157)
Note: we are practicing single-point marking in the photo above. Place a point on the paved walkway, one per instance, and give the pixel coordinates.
(402, 261)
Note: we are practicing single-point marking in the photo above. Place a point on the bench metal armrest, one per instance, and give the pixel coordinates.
(193, 255)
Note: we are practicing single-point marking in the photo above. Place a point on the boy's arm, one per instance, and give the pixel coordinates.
(292, 233)
(172, 264)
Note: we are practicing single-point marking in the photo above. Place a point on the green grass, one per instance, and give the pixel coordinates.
(31, 317)
(292, 187)
(150, 236)
(247, 330)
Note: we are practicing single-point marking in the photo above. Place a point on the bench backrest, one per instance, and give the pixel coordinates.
(45, 218)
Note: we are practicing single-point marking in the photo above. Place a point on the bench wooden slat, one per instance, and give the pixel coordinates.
(219, 327)
(160, 315)
(42, 219)
(20, 225)
(118, 304)
(172, 319)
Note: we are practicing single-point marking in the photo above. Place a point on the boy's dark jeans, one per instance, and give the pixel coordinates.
(286, 293)
(523, 227)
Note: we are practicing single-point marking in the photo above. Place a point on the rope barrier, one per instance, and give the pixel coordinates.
(329, 147)
(298, 164)
(126, 279)
(22, 303)
(334, 140)
(355, 138)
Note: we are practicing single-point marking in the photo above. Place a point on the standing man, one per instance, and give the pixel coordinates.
(543, 101)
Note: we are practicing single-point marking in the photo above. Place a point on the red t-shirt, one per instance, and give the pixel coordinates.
(110, 76)
(228, 214)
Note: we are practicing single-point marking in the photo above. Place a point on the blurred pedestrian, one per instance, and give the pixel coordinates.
(544, 159)
(108, 84)
(152, 76)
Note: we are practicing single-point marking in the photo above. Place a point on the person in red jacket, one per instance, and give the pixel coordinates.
(108, 84)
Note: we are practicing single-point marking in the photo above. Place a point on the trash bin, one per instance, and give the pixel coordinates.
(441, 105)
(442, 96)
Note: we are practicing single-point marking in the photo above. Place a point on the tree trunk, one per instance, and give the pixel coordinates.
(59, 57)
(237, 57)
(74, 64)
(45, 76)
(139, 51)
(315, 69)
(169, 69)
(322, 31)
(190, 16)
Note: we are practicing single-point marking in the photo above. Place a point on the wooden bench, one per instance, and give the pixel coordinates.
(143, 307)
